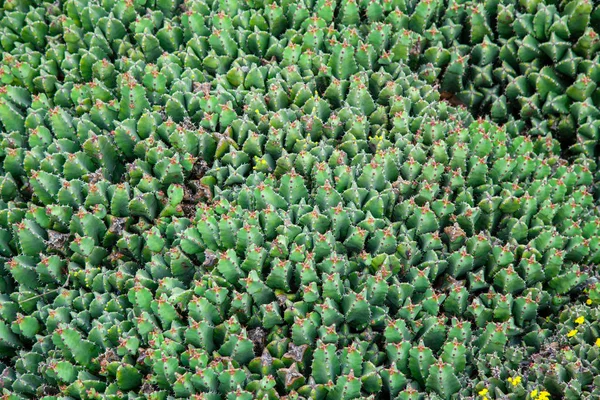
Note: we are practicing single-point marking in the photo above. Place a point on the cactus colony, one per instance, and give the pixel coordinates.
(224, 199)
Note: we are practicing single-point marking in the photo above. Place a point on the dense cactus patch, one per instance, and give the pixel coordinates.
(309, 199)
(533, 63)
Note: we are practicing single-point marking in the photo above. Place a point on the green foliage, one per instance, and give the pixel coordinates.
(227, 199)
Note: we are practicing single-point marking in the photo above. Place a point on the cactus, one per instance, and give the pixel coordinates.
(225, 199)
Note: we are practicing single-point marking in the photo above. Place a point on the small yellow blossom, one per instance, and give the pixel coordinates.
(598, 342)
(483, 392)
(544, 395)
(588, 302)
(580, 320)
(572, 333)
(534, 394)
(485, 398)
(256, 111)
(515, 381)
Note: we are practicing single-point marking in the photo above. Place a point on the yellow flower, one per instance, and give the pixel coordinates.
(572, 333)
(588, 302)
(534, 394)
(483, 392)
(515, 381)
(544, 395)
(485, 398)
(580, 320)
(598, 342)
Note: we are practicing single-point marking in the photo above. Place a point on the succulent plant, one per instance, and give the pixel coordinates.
(229, 199)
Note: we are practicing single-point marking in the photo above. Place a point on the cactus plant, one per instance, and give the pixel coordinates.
(255, 199)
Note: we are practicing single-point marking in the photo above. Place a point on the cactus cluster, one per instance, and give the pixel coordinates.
(223, 199)
(533, 63)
